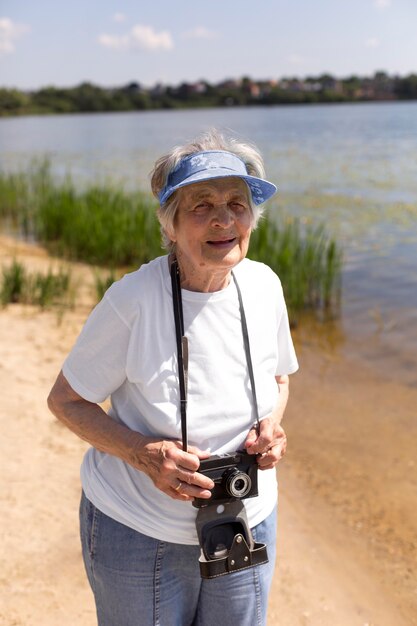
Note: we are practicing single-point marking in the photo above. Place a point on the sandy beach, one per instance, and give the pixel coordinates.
(347, 542)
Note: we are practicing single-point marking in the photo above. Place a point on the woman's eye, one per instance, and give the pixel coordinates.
(237, 206)
(202, 206)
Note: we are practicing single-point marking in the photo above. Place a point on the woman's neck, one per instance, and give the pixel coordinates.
(194, 279)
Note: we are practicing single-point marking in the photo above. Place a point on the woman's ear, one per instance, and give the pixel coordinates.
(170, 233)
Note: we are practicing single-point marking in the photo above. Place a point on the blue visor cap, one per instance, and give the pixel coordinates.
(210, 164)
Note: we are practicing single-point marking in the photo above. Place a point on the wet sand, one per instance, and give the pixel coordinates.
(349, 493)
(347, 535)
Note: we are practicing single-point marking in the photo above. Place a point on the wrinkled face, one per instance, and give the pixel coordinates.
(213, 224)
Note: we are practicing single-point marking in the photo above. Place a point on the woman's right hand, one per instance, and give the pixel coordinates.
(172, 470)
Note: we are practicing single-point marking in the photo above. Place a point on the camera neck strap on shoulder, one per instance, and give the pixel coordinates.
(182, 348)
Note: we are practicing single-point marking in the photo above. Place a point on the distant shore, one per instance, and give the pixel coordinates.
(90, 98)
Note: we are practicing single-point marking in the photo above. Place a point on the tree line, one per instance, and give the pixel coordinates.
(88, 97)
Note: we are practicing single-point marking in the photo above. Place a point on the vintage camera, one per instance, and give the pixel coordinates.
(223, 531)
(235, 477)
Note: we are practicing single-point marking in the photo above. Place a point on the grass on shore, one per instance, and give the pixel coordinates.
(307, 261)
(107, 226)
(100, 225)
(44, 290)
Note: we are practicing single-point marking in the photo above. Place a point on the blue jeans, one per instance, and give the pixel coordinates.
(141, 581)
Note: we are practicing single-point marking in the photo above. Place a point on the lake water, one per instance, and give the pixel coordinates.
(352, 166)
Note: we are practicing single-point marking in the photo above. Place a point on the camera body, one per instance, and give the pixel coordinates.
(235, 477)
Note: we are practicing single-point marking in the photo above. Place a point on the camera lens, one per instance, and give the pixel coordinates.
(238, 484)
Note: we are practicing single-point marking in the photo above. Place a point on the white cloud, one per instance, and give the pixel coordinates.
(146, 37)
(200, 32)
(382, 4)
(119, 17)
(10, 32)
(140, 37)
(113, 41)
(372, 42)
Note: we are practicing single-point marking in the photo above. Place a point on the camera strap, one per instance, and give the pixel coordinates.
(182, 349)
(246, 342)
(243, 552)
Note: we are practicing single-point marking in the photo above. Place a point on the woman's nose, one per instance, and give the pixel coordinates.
(223, 216)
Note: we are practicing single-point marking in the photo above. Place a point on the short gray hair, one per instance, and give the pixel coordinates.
(210, 140)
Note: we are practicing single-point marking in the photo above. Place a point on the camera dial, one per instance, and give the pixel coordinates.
(237, 484)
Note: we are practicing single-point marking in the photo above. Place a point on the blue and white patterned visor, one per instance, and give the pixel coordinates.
(202, 166)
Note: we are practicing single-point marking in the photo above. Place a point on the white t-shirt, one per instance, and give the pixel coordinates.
(127, 350)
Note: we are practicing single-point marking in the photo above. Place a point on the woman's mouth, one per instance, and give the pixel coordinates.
(222, 243)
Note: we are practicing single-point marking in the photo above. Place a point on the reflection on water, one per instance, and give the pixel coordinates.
(352, 166)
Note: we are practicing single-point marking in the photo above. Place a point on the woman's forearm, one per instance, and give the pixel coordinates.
(164, 461)
(283, 383)
(89, 422)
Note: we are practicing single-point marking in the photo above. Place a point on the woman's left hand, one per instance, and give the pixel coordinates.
(270, 442)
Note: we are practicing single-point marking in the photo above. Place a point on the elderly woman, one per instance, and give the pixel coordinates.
(138, 523)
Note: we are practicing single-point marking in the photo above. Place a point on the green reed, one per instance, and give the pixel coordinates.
(13, 283)
(44, 290)
(307, 261)
(20, 195)
(105, 225)
(47, 289)
(100, 225)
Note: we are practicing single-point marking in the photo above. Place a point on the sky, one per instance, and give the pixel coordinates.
(114, 42)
